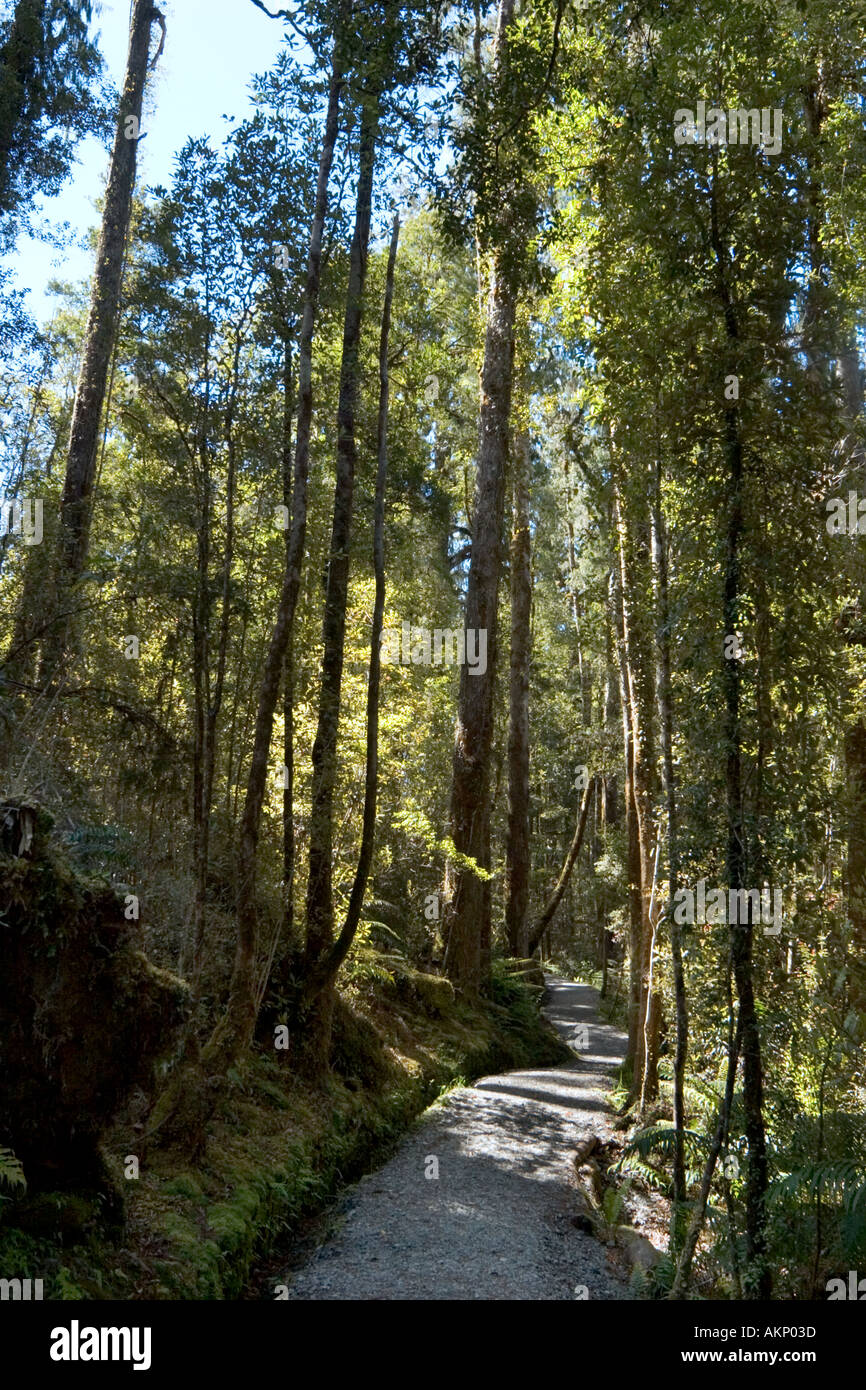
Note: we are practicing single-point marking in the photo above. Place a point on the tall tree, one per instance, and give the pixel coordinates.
(99, 339)
(467, 916)
(664, 697)
(321, 976)
(396, 48)
(517, 860)
(235, 1029)
(742, 934)
(320, 902)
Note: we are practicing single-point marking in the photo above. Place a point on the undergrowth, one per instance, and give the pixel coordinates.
(278, 1149)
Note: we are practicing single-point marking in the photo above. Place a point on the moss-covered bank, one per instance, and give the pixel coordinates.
(278, 1149)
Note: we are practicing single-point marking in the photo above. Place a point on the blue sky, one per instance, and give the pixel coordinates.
(212, 49)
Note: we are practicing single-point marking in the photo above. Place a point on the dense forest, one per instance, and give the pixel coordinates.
(430, 565)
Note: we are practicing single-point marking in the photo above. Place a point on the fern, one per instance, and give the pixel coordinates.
(707, 1096)
(98, 848)
(832, 1180)
(383, 930)
(366, 963)
(613, 1202)
(11, 1172)
(662, 1139)
(609, 1209)
(845, 1178)
(638, 1167)
(656, 1282)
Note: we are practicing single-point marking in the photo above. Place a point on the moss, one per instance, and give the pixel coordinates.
(67, 1218)
(184, 1185)
(435, 993)
(279, 1149)
(356, 1046)
(83, 1018)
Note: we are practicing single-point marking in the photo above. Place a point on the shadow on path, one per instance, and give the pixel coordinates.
(477, 1202)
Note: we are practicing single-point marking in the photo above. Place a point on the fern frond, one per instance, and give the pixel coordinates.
(841, 1177)
(706, 1096)
(634, 1164)
(662, 1139)
(11, 1172)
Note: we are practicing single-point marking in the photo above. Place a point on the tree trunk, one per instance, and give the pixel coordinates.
(757, 1281)
(99, 338)
(467, 914)
(320, 903)
(665, 709)
(209, 695)
(854, 745)
(633, 863)
(644, 1009)
(288, 669)
(517, 847)
(681, 1279)
(543, 922)
(232, 1035)
(321, 977)
(470, 789)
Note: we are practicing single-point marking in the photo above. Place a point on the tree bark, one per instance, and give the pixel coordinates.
(288, 667)
(321, 977)
(633, 860)
(546, 917)
(854, 743)
(681, 1279)
(757, 1282)
(209, 695)
(470, 791)
(517, 845)
(665, 709)
(234, 1031)
(467, 914)
(320, 903)
(99, 338)
(644, 1004)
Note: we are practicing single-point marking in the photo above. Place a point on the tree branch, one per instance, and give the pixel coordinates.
(553, 901)
(160, 20)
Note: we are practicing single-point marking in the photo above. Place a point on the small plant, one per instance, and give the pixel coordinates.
(657, 1282)
(455, 1084)
(609, 1210)
(11, 1172)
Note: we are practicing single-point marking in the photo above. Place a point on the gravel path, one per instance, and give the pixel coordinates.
(497, 1221)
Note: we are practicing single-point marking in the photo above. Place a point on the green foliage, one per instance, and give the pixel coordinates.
(48, 67)
(11, 1171)
(99, 849)
(656, 1282)
(840, 1185)
(662, 1139)
(611, 1206)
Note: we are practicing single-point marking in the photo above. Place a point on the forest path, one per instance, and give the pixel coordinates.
(497, 1222)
